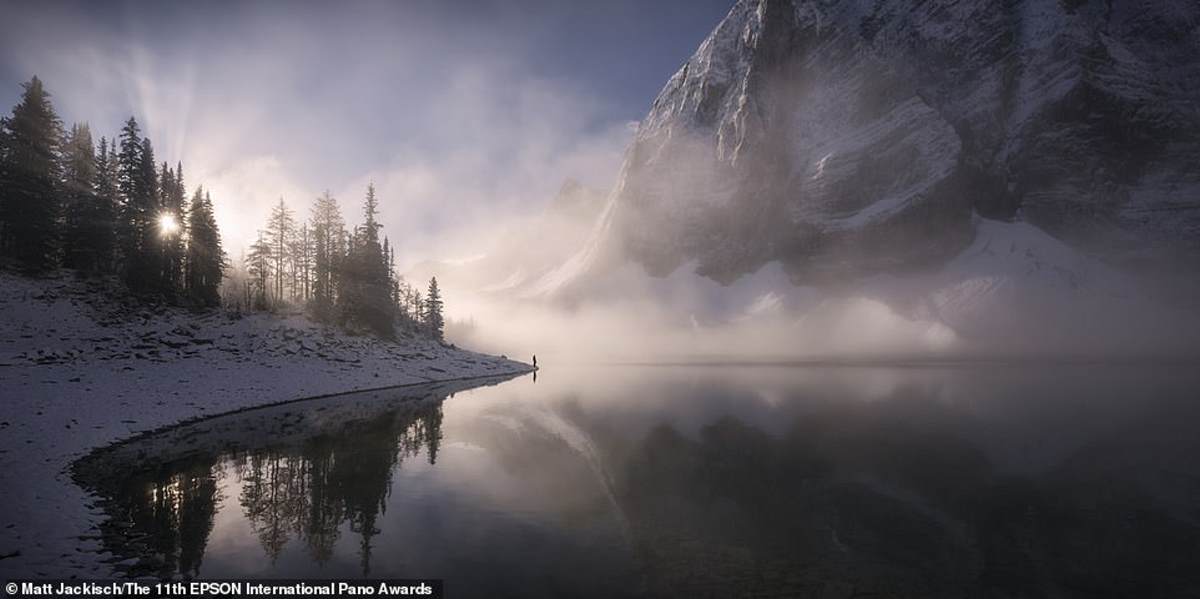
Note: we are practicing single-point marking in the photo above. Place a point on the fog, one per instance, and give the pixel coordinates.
(469, 118)
(812, 324)
(644, 331)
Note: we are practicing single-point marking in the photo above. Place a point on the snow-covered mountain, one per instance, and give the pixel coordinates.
(839, 176)
(843, 137)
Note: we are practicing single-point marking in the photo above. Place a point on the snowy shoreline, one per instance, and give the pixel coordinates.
(80, 369)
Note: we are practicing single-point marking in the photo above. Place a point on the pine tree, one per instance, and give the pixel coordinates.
(434, 320)
(29, 176)
(205, 258)
(365, 300)
(328, 241)
(137, 230)
(390, 260)
(98, 218)
(82, 229)
(166, 181)
(171, 230)
(178, 207)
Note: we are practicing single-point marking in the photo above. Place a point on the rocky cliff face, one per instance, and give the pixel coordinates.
(849, 136)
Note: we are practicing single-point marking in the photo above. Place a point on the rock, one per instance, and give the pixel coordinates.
(849, 137)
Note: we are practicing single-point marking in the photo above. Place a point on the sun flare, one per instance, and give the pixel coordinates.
(167, 225)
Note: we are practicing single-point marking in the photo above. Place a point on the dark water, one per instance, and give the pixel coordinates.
(998, 481)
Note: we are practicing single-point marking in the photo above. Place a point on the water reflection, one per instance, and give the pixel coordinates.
(894, 502)
(331, 479)
(832, 482)
(304, 471)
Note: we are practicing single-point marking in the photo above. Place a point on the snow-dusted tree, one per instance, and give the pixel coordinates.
(435, 322)
(172, 222)
(29, 176)
(365, 298)
(328, 243)
(301, 264)
(96, 219)
(416, 307)
(205, 258)
(84, 228)
(137, 229)
(259, 266)
(393, 283)
(280, 233)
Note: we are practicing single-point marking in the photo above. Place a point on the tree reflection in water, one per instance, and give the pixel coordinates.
(332, 478)
(306, 485)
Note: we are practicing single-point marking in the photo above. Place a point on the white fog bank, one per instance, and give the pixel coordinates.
(1014, 292)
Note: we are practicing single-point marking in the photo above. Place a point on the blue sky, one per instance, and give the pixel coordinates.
(460, 112)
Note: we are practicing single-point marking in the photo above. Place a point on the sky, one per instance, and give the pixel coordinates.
(463, 113)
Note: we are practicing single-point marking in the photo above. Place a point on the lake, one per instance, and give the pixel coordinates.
(1005, 480)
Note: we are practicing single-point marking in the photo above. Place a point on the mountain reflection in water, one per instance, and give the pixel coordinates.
(640, 481)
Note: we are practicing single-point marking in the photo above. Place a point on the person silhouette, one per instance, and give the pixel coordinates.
(535, 360)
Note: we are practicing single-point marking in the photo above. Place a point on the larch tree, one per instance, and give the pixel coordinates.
(259, 266)
(280, 233)
(301, 267)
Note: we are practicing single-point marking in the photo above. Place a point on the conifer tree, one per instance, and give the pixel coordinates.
(328, 241)
(82, 229)
(29, 175)
(259, 265)
(168, 225)
(172, 223)
(434, 320)
(301, 253)
(281, 229)
(205, 258)
(177, 207)
(365, 299)
(98, 218)
(137, 231)
(417, 308)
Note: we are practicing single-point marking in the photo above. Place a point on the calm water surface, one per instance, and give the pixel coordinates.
(610, 481)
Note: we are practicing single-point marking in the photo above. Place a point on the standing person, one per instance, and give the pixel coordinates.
(535, 360)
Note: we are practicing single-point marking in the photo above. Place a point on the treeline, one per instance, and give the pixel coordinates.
(344, 277)
(108, 207)
(103, 207)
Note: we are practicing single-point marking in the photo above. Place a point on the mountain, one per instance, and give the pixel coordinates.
(842, 138)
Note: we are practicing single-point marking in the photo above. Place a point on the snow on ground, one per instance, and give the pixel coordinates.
(81, 368)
